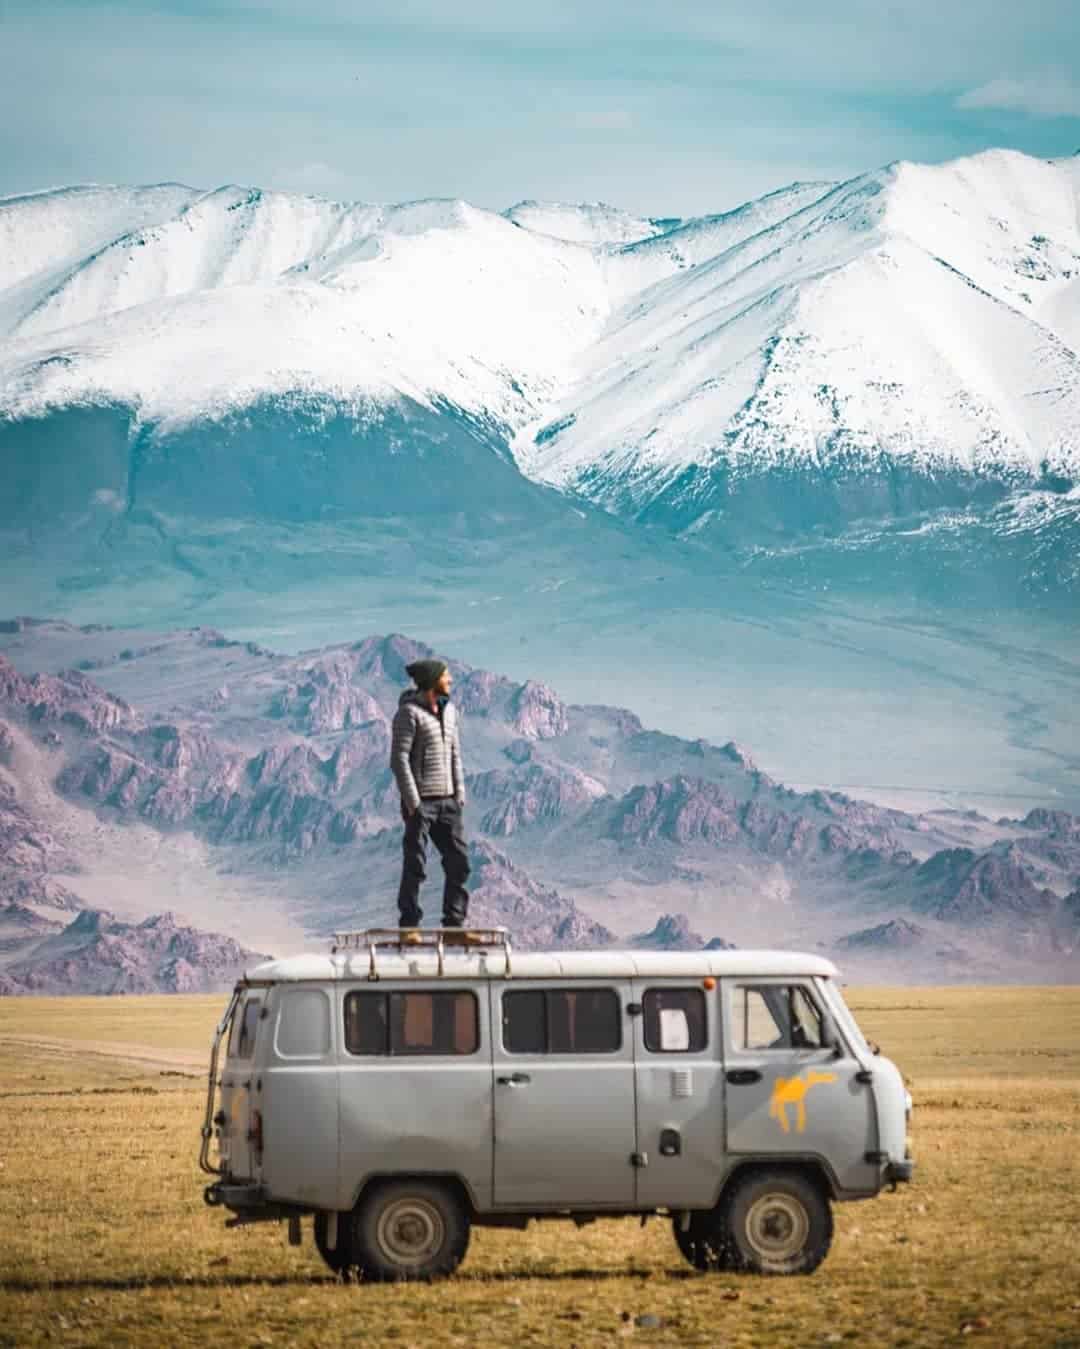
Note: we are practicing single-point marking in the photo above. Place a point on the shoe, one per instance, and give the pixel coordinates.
(412, 937)
(456, 935)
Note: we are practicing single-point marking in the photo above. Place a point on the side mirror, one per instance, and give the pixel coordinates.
(830, 1037)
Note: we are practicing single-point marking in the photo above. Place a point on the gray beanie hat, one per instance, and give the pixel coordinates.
(425, 674)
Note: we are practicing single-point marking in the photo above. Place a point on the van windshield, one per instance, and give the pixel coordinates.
(845, 1017)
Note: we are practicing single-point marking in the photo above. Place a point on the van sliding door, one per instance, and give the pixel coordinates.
(563, 1095)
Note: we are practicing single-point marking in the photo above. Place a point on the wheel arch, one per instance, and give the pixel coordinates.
(812, 1168)
(450, 1179)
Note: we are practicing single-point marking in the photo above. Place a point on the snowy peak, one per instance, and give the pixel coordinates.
(1007, 221)
(922, 314)
(593, 223)
(250, 293)
(48, 231)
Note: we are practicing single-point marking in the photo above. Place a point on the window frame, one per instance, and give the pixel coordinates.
(240, 1027)
(285, 1000)
(561, 991)
(389, 1052)
(697, 991)
(782, 987)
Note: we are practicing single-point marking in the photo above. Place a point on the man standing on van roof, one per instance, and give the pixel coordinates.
(425, 757)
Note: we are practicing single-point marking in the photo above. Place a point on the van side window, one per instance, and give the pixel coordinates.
(412, 1023)
(674, 1020)
(561, 1021)
(775, 1016)
(244, 1030)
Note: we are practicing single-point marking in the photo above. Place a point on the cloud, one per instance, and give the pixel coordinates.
(1046, 97)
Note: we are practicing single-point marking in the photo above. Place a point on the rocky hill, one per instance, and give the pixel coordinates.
(252, 788)
(98, 953)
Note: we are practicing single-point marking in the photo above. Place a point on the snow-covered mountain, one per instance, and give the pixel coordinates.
(184, 305)
(921, 317)
(926, 318)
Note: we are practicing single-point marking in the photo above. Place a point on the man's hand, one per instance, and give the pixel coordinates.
(406, 813)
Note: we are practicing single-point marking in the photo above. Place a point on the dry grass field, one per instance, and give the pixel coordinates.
(105, 1238)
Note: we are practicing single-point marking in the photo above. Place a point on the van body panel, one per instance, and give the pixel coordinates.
(890, 1097)
(299, 1107)
(429, 1114)
(412, 1118)
(565, 1130)
(786, 1101)
(680, 1105)
(296, 1092)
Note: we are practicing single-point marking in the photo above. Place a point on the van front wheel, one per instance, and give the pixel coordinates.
(777, 1222)
(409, 1229)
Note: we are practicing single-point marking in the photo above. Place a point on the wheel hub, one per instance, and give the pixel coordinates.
(777, 1227)
(410, 1231)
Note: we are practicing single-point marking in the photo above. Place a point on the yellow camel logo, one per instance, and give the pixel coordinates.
(791, 1091)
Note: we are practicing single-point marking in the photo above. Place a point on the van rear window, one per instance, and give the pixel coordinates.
(412, 1023)
(561, 1021)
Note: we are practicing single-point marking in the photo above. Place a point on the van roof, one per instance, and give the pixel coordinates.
(480, 964)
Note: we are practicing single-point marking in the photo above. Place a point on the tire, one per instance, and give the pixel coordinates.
(777, 1222)
(409, 1229)
(703, 1244)
(340, 1259)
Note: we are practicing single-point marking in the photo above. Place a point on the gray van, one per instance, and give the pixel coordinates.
(402, 1093)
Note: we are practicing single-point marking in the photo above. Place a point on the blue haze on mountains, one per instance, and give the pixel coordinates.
(915, 669)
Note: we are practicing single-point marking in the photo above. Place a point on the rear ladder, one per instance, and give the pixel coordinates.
(212, 1085)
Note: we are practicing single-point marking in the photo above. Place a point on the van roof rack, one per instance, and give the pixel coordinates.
(410, 939)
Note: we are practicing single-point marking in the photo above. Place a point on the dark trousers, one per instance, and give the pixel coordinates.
(439, 818)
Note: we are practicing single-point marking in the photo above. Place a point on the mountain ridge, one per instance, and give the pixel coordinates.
(258, 294)
(264, 778)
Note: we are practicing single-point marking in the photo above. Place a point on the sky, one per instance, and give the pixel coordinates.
(663, 107)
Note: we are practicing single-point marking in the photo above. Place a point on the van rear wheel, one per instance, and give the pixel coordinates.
(409, 1229)
(777, 1222)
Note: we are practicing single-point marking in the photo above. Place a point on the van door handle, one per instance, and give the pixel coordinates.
(514, 1080)
(742, 1076)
